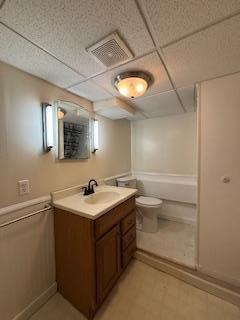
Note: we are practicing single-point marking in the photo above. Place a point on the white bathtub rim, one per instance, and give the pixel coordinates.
(167, 178)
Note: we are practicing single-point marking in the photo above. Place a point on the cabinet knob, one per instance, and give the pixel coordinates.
(225, 179)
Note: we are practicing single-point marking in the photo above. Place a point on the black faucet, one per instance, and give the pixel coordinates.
(89, 189)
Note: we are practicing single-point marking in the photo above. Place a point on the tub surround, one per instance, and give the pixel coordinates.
(173, 187)
(84, 205)
(178, 192)
(165, 144)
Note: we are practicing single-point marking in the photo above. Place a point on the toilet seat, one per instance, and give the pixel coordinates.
(148, 202)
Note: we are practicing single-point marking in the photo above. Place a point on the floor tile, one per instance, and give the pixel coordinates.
(145, 293)
(173, 240)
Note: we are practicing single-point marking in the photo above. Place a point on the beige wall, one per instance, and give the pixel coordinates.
(21, 155)
(165, 145)
(219, 218)
(27, 268)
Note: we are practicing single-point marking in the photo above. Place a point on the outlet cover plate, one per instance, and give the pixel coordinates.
(23, 187)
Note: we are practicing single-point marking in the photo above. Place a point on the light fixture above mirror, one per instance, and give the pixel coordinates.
(132, 84)
(47, 121)
(95, 141)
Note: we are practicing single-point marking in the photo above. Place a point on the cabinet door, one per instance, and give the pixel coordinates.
(108, 261)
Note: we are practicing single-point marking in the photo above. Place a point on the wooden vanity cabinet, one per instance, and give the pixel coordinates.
(92, 254)
(108, 262)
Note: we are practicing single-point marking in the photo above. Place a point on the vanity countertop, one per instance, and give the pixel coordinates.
(95, 205)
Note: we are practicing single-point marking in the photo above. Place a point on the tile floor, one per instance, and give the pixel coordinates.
(174, 241)
(143, 293)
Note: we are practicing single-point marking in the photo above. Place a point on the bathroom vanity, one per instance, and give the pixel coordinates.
(95, 238)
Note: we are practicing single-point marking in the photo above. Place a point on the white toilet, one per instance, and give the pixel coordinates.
(147, 207)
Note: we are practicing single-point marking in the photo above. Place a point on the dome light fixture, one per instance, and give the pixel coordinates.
(132, 84)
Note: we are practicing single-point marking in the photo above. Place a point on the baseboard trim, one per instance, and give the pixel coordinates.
(193, 277)
(37, 303)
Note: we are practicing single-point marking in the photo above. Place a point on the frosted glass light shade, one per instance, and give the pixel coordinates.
(132, 84)
(47, 115)
(95, 139)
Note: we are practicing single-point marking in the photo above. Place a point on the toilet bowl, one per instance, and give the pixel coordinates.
(148, 210)
(147, 207)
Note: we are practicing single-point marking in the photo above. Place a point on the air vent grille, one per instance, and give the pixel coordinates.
(110, 51)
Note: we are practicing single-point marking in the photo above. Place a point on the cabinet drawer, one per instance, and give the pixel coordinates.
(128, 253)
(113, 217)
(128, 237)
(128, 222)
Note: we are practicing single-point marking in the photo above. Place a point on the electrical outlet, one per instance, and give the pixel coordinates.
(23, 187)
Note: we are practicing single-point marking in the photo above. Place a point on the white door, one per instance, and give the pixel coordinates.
(219, 218)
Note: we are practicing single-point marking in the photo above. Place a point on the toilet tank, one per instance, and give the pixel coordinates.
(127, 182)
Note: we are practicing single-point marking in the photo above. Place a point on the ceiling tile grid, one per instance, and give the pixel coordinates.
(90, 90)
(150, 63)
(67, 28)
(160, 105)
(210, 53)
(22, 54)
(197, 40)
(137, 116)
(173, 20)
(187, 96)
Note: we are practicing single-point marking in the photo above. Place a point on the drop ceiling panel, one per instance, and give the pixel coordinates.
(207, 54)
(187, 95)
(160, 105)
(67, 28)
(113, 113)
(22, 54)
(90, 90)
(172, 20)
(137, 116)
(150, 63)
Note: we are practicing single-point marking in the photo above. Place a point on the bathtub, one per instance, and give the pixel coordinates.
(178, 192)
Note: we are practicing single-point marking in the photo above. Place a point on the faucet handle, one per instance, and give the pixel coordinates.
(85, 190)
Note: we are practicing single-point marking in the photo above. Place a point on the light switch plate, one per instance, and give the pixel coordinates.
(23, 187)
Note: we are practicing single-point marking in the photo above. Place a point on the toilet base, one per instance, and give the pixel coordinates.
(150, 224)
(147, 220)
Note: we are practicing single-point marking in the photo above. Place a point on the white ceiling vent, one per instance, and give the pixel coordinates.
(110, 51)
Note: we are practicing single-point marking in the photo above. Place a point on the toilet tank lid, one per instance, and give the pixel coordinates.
(126, 179)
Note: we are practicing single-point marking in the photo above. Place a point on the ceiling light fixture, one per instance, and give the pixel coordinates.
(132, 84)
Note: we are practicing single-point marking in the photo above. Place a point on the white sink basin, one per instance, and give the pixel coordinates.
(102, 197)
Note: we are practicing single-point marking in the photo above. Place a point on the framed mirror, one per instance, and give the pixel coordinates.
(73, 131)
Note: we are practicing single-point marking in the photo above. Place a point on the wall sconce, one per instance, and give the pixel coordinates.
(61, 113)
(95, 144)
(47, 119)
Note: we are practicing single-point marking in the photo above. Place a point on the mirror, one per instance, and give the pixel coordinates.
(73, 131)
